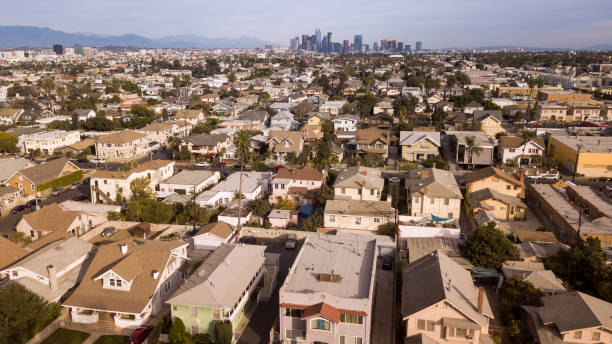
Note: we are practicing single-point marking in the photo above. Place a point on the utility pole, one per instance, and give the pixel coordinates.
(576, 162)
(193, 198)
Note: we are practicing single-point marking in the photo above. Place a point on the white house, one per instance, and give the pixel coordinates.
(512, 148)
(187, 182)
(254, 185)
(47, 141)
(332, 106)
(212, 235)
(346, 122)
(283, 120)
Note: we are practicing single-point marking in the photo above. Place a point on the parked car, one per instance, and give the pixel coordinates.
(291, 242)
(83, 160)
(57, 191)
(98, 161)
(247, 240)
(80, 198)
(19, 209)
(550, 176)
(109, 232)
(277, 167)
(534, 176)
(202, 164)
(32, 203)
(387, 263)
(140, 335)
(219, 164)
(86, 181)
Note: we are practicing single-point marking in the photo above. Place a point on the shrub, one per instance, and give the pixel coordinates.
(61, 181)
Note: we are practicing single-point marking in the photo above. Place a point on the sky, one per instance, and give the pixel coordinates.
(438, 23)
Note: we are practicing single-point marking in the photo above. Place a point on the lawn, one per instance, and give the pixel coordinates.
(64, 336)
(111, 340)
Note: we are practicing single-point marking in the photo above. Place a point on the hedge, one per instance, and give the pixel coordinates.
(62, 181)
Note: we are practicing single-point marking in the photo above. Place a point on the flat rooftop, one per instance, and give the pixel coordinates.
(589, 144)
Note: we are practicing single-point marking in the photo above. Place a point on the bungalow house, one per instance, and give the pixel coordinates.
(280, 218)
(51, 271)
(204, 144)
(189, 116)
(315, 119)
(496, 179)
(472, 106)
(188, 182)
(466, 156)
(9, 166)
(359, 183)
(373, 141)
(311, 133)
(380, 121)
(122, 146)
(9, 198)
(10, 116)
(385, 107)
(419, 145)
(10, 253)
(128, 282)
(53, 218)
(281, 143)
(440, 303)
(221, 288)
(254, 185)
(213, 235)
(357, 215)
(332, 106)
(512, 148)
(490, 121)
(232, 215)
(294, 184)
(534, 273)
(573, 317)
(84, 114)
(502, 206)
(28, 180)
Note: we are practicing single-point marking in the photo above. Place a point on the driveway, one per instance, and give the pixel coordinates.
(382, 323)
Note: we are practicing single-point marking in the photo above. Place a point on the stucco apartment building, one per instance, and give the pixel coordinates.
(357, 215)
(47, 141)
(434, 192)
(590, 156)
(122, 146)
(160, 132)
(107, 185)
(328, 294)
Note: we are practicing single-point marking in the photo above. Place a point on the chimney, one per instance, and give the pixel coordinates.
(155, 274)
(363, 184)
(52, 271)
(425, 191)
(124, 248)
(480, 300)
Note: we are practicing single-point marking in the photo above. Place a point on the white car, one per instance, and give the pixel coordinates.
(550, 176)
(98, 161)
(202, 164)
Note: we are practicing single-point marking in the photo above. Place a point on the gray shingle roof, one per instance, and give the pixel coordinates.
(409, 138)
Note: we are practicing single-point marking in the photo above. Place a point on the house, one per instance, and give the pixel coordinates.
(204, 144)
(572, 317)
(10, 253)
(30, 179)
(250, 121)
(385, 107)
(84, 114)
(311, 133)
(419, 145)
(328, 294)
(108, 186)
(283, 120)
(441, 303)
(189, 116)
(357, 215)
(501, 205)
(188, 182)
(48, 141)
(590, 156)
(209, 98)
(359, 183)
(513, 148)
(220, 288)
(161, 132)
(472, 106)
(345, 122)
(380, 121)
(332, 106)
(446, 106)
(254, 185)
(92, 215)
(128, 282)
(248, 100)
(420, 119)
(373, 141)
(122, 146)
(493, 178)
(78, 147)
(281, 143)
(433, 192)
(294, 184)
(9, 166)
(464, 155)
(490, 121)
(9, 198)
(10, 116)
(53, 218)
(213, 235)
(54, 269)
(315, 119)
(280, 218)
(232, 215)
(534, 273)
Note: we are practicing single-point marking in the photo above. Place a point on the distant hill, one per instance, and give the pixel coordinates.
(36, 37)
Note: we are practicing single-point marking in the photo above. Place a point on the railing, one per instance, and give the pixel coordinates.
(85, 318)
(123, 323)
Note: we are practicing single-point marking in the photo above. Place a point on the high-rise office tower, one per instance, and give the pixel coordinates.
(324, 44)
(78, 49)
(400, 46)
(58, 48)
(304, 42)
(419, 46)
(358, 43)
(375, 46)
(318, 38)
(409, 48)
(346, 47)
(330, 42)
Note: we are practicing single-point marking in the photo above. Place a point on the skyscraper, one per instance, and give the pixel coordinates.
(358, 43)
(375, 46)
(400, 46)
(346, 47)
(318, 38)
(78, 49)
(58, 48)
(330, 42)
(419, 46)
(304, 42)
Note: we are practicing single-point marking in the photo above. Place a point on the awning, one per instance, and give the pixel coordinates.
(460, 323)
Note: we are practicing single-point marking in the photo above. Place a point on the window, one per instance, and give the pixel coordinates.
(174, 307)
(295, 334)
(118, 283)
(294, 313)
(193, 311)
(351, 319)
(460, 332)
(416, 200)
(343, 190)
(421, 324)
(450, 215)
(596, 336)
(371, 192)
(376, 220)
(111, 282)
(358, 220)
(320, 324)
(578, 335)
(431, 201)
(350, 340)
(507, 187)
(332, 218)
(516, 187)
(430, 325)
(217, 314)
(194, 330)
(512, 150)
(446, 201)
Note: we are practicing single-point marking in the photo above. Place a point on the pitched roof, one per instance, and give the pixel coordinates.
(219, 229)
(11, 113)
(409, 138)
(304, 173)
(368, 136)
(490, 171)
(258, 116)
(515, 142)
(206, 139)
(574, 311)
(476, 198)
(188, 113)
(480, 115)
(439, 184)
(149, 256)
(9, 166)
(356, 176)
(435, 278)
(51, 218)
(323, 309)
(10, 252)
(46, 172)
(121, 137)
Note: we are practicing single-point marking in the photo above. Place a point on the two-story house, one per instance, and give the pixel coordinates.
(122, 146)
(433, 192)
(419, 145)
(28, 180)
(295, 184)
(513, 148)
(160, 132)
(481, 154)
(189, 116)
(345, 122)
(490, 121)
(204, 144)
(496, 179)
(53, 218)
(359, 183)
(283, 120)
(373, 141)
(361, 215)
(281, 143)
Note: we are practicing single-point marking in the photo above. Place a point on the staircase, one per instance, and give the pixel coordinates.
(101, 193)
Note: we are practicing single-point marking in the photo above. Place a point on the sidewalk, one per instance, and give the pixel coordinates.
(47, 331)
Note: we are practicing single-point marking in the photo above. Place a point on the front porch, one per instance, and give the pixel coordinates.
(120, 320)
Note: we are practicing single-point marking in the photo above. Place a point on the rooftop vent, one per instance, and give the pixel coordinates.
(155, 274)
(330, 278)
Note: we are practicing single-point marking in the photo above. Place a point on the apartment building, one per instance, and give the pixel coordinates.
(590, 156)
(160, 132)
(109, 186)
(343, 214)
(47, 141)
(433, 192)
(345, 122)
(122, 146)
(359, 183)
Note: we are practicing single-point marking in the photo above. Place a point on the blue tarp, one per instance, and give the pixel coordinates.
(306, 210)
(438, 219)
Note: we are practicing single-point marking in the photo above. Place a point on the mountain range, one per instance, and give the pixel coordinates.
(37, 37)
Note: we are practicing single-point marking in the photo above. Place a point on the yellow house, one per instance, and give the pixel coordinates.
(28, 179)
(495, 179)
(589, 156)
(502, 206)
(490, 121)
(419, 145)
(315, 119)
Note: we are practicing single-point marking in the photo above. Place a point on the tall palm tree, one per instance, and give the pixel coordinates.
(242, 141)
(526, 136)
(470, 143)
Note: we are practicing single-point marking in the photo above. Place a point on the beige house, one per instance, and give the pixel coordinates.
(357, 215)
(203, 144)
(490, 121)
(53, 218)
(359, 183)
(160, 132)
(122, 146)
(281, 143)
(28, 179)
(189, 116)
(419, 145)
(10, 116)
(440, 303)
(374, 141)
(495, 179)
(434, 192)
(502, 206)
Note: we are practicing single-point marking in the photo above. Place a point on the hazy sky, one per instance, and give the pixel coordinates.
(438, 23)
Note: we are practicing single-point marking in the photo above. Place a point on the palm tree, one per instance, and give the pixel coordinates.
(242, 141)
(470, 143)
(526, 136)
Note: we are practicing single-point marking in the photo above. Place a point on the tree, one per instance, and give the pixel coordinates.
(223, 332)
(8, 142)
(404, 105)
(470, 143)
(526, 136)
(286, 204)
(192, 213)
(389, 228)
(438, 117)
(99, 124)
(259, 207)
(313, 222)
(141, 189)
(440, 163)
(367, 103)
(242, 142)
(177, 334)
(291, 159)
(513, 295)
(183, 154)
(487, 247)
(149, 210)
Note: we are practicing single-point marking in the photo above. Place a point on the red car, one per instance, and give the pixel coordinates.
(278, 167)
(140, 334)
